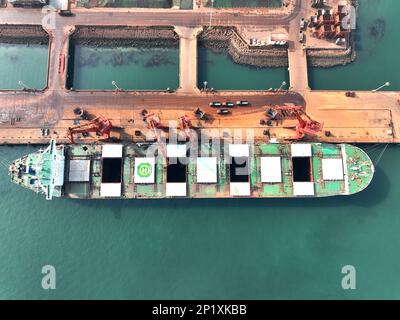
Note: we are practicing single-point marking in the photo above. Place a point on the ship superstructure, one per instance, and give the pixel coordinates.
(42, 171)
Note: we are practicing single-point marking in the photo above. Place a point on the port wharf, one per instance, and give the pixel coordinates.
(369, 117)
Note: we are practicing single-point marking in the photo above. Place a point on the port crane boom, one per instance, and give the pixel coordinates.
(99, 125)
(305, 127)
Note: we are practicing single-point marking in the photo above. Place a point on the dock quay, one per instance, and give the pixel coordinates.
(369, 117)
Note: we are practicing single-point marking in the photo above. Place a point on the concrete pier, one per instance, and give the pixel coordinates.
(188, 59)
(370, 117)
(298, 73)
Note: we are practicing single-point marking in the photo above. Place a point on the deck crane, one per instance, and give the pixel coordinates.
(185, 124)
(288, 110)
(99, 125)
(154, 123)
(307, 127)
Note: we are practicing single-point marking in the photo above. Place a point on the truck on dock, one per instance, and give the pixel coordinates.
(228, 104)
(242, 103)
(64, 9)
(215, 104)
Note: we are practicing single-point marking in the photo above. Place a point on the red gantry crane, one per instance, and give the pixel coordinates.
(99, 125)
(153, 121)
(306, 127)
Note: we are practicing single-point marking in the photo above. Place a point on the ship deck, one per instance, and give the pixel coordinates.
(222, 187)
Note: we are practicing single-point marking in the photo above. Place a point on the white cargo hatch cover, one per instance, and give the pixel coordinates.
(79, 170)
(271, 170)
(176, 150)
(301, 150)
(240, 188)
(110, 190)
(207, 170)
(239, 150)
(176, 189)
(332, 169)
(303, 188)
(112, 151)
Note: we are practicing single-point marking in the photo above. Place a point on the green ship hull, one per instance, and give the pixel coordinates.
(211, 170)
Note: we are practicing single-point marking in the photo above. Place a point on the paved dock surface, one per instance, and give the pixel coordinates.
(369, 117)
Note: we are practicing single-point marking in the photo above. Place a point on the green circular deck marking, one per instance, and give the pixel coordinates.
(144, 170)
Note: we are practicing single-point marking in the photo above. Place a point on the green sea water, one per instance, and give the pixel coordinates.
(222, 73)
(377, 46)
(16, 65)
(130, 68)
(199, 249)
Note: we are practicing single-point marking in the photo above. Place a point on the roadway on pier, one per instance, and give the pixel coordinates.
(370, 117)
(149, 17)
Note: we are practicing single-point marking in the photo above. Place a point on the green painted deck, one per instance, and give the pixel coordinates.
(359, 171)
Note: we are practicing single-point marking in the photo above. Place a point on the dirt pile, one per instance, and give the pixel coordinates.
(125, 36)
(23, 34)
(228, 40)
(330, 58)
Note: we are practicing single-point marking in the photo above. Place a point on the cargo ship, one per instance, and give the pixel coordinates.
(211, 170)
